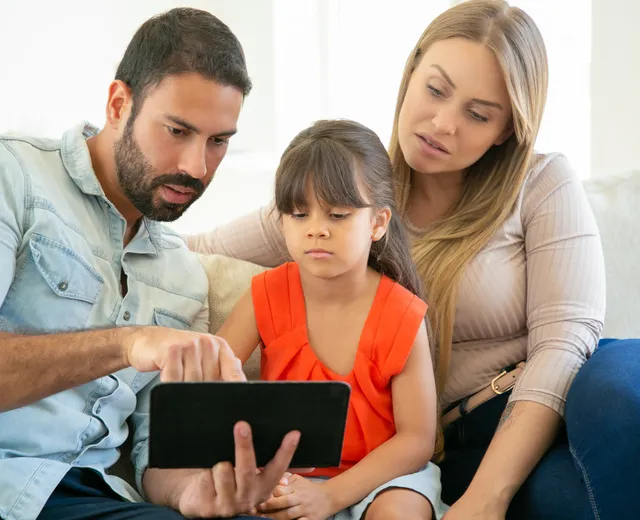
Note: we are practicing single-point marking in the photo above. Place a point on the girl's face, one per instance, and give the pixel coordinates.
(330, 241)
(456, 107)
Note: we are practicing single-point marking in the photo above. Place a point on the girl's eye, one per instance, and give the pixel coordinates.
(298, 215)
(339, 216)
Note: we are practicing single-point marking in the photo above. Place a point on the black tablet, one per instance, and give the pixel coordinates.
(191, 424)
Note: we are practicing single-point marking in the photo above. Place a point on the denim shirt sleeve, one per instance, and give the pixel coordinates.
(140, 418)
(140, 423)
(12, 209)
(201, 321)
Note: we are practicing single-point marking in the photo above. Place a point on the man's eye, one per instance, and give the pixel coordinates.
(177, 132)
(219, 141)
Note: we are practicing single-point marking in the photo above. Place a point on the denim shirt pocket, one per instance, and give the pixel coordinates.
(173, 320)
(74, 284)
(68, 275)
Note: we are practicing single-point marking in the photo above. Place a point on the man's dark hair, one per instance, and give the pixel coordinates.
(181, 41)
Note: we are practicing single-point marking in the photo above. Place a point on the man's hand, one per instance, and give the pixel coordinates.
(221, 491)
(298, 497)
(181, 355)
(224, 491)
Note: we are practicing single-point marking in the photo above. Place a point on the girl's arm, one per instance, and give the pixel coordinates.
(411, 448)
(240, 329)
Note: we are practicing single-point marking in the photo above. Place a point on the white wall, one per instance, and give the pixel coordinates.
(615, 87)
(311, 59)
(567, 119)
(61, 56)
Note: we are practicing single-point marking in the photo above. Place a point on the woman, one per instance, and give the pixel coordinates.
(510, 255)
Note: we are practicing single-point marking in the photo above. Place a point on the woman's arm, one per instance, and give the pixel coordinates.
(256, 237)
(565, 314)
(411, 448)
(525, 433)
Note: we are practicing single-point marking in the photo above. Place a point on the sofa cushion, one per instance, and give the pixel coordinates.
(615, 200)
(228, 280)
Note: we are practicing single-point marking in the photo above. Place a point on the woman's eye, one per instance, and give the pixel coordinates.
(478, 117)
(434, 91)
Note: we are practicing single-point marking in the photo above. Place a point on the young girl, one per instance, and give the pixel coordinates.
(348, 308)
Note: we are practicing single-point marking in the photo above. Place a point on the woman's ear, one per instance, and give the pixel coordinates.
(507, 132)
(381, 219)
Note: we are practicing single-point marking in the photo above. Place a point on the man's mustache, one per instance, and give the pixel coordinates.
(179, 179)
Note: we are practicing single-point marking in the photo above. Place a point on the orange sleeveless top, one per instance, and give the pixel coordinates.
(385, 344)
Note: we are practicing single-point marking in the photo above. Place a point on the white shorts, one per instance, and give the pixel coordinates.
(426, 482)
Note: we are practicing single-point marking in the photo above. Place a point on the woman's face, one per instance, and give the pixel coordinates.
(455, 109)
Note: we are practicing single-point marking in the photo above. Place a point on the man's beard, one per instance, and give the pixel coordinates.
(135, 176)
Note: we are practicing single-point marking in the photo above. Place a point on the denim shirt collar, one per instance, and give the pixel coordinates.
(77, 160)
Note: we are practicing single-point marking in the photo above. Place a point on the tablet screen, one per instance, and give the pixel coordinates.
(191, 424)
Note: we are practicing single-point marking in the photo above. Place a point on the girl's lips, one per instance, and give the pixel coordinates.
(318, 253)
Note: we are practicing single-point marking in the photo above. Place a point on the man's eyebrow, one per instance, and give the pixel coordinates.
(227, 133)
(182, 123)
(192, 128)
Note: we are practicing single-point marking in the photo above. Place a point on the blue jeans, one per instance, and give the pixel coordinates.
(591, 471)
(83, 495)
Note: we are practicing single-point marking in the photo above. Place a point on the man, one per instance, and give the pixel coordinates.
(93, 289)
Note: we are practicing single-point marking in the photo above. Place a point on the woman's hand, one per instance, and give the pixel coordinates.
(470, 508)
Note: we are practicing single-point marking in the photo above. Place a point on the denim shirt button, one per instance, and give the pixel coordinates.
(126, 316)
(63, 286)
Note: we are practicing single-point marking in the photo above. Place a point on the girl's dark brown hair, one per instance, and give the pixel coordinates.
(348, 166)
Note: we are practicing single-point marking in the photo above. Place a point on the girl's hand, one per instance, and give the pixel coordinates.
(297, 497)
(284, 481)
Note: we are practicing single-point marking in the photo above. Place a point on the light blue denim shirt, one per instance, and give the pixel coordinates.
(61, 257)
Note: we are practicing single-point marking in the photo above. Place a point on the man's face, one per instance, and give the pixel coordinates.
(169, 152)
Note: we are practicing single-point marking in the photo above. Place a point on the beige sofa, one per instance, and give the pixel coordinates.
(616, 205)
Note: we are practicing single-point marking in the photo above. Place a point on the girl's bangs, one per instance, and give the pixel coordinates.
(328, 167)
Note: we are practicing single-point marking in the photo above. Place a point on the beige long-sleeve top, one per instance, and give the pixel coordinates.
(536, 291)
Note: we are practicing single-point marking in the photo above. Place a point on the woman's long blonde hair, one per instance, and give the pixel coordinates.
(492, 184)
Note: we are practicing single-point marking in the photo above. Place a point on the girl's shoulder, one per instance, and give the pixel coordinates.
(398, 299)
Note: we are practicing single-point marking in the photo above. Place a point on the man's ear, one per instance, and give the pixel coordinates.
(119, 104)
(381, 220)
